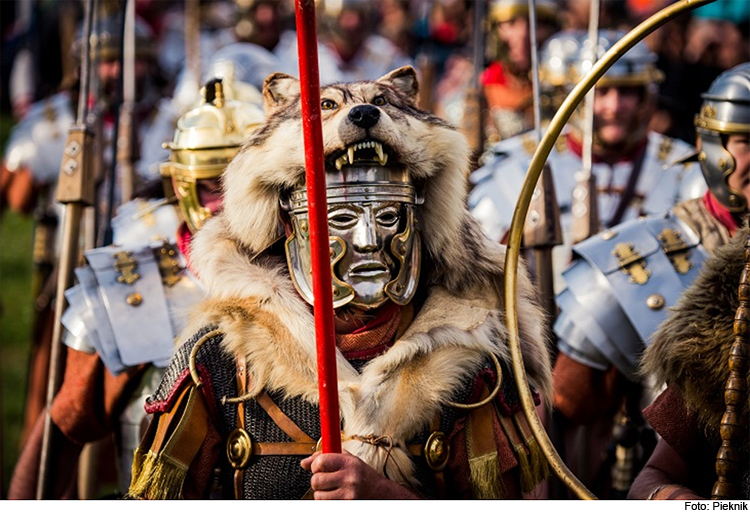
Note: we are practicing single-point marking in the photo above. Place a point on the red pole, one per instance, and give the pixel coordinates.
(307, 51)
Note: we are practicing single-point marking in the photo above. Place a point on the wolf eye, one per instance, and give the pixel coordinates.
(327, 104)
(379, 101)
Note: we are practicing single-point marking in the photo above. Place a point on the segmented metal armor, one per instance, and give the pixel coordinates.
(276, 450)
(650, 183)
(129, 304)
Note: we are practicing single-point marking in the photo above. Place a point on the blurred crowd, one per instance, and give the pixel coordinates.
(475, 67)
(436, 35)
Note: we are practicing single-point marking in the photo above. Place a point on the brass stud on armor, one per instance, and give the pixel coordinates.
(134, 299)
(655, 301)
(239, 448)
(436, 451)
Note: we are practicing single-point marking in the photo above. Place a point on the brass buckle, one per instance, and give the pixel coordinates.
(239, 448)
(676, 249)
(437, 451)
(169, 267)
(126, 266)
(632, 263)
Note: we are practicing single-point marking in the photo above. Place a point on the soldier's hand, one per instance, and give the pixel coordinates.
(346, 477)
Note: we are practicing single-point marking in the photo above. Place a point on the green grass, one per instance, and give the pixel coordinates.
(16, 313)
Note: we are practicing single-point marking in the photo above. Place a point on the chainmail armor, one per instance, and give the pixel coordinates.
(712, 233)
(282, 477)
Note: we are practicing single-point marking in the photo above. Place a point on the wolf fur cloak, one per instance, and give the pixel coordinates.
(253, 320)
(690, 355)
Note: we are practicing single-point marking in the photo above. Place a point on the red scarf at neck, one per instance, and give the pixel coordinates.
(720, 213)
(373, 337)
(184, 238)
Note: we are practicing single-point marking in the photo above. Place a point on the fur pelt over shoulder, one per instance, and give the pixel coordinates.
(251, 297)
(691, 348)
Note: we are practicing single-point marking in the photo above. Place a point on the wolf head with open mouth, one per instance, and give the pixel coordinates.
(364, 122)
(250, 295)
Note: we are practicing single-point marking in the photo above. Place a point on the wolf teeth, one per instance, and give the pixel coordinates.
(348, 156)
(379, 152)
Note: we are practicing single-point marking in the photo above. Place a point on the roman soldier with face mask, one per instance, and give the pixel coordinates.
(428, 407)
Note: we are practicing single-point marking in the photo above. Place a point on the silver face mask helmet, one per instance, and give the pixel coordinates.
(725, 110)
(374, 240)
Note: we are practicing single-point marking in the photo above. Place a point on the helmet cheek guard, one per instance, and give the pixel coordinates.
(725, 110)
(717, 164)
(205, 141)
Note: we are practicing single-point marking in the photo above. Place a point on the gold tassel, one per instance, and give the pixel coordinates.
(143, 467)
(486, 482)
(533, 464)
(538, 466)
(524, 468)
(167, 479)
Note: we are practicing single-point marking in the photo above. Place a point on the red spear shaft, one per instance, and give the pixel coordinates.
(307, 51)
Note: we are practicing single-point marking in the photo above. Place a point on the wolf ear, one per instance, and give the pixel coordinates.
(404, 80)
(278, 89)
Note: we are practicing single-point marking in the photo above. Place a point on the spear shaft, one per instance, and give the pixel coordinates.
(307, 50)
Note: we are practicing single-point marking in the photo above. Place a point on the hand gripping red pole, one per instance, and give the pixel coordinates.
(307, 51)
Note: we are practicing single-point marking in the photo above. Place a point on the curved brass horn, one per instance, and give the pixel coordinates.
(522, 206)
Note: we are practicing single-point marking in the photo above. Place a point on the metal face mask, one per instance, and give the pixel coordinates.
(375, 246)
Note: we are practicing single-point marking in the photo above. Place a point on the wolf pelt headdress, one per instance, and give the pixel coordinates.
(252, 299)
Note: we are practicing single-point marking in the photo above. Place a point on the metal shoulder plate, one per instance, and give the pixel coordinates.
(139, 222)
(619, 287)
(37, 142)
(664, 180)
(497, 185)
(135, 303)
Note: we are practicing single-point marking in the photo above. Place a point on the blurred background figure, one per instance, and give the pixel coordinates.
(635, 170)
(506, 81)
(32, 157)
(117, 344)
(352, 48)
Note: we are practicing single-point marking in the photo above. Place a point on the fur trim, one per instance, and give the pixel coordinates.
(253, 301)
(691, 348)
(251, 298)
(436, 155)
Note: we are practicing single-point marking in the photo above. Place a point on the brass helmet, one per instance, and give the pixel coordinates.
(725, 110)
(205, 141)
